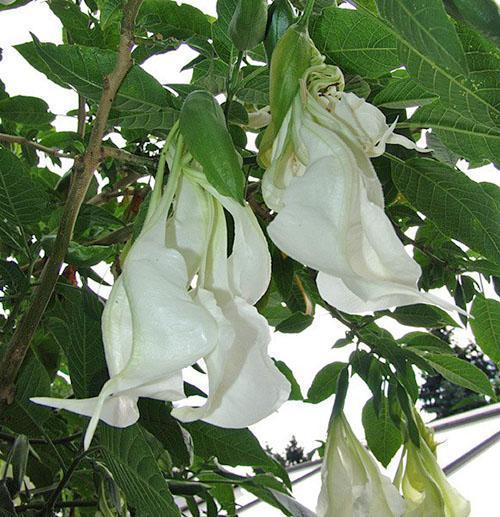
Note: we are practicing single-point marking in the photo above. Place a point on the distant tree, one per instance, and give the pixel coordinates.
(292, 455)
(444, 398)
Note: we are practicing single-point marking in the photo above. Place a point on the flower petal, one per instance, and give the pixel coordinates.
(244, 384)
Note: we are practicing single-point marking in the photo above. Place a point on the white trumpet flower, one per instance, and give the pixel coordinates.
(425, 487)
(244, 384)
(329, 200)
(352, 484)
(153, 327)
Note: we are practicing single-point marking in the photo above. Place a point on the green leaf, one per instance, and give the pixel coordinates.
(23, 416)
(295, 323)
(295, 393)
(76, 326)
(430, 48)
(172, 20)
(403, 93)
(325, 382)
(129, 456)
(30, 111)
(83, 68)
(76, 24)
(458, 206)
(382, 436)
(22, 201)
(421, 315)
(486, 326)
(461, 372)
(156, 419)
(234, 447)
(201, 115)
(355, 42)
(12, 279)
(155, 120)
(483, 15)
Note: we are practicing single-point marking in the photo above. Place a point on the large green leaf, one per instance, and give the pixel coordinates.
(436, 62)
(355, 42)
(486, 325)
(83, 68)
(232, 447)
(171, 20)
(461, 372)
(382, 436)
(76, 326)
(22, 201)
(30, 111)
(458, 206)
(129, 455)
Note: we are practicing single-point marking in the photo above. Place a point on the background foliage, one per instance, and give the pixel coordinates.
(391, 56)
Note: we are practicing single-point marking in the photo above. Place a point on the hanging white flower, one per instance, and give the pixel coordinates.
(425, 486)
(152, 325)
(244, 384)
(329, 200)
(352, 484)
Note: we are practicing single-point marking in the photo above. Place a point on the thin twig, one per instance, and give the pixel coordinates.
(51, 501)
(107, 195)
(82, 177)
(105, 151)
(77, 503)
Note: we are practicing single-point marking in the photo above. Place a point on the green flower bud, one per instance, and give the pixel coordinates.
(248, 24)
(281, 16)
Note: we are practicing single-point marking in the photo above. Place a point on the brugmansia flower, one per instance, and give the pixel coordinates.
(425, 487)
(156, 323)
(352, 484)
(329, 200)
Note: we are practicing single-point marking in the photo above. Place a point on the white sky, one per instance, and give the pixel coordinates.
(305, 353)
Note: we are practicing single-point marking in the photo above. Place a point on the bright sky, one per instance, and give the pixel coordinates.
(305, 353)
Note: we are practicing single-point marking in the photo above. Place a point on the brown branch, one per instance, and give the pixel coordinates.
(84, 169)
(82, 115)
(105, 151)
(13, 139)
(117, 190)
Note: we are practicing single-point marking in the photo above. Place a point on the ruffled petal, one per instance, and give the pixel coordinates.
(244, 384)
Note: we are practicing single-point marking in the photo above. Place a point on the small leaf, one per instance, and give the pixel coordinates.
(426, 342)
(325, 382)
(295, 323)
(201, 115)
(461, 372)
(382, 436)
(295, 393)
(486, 326)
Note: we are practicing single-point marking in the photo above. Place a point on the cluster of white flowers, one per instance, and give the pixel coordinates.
(179, 299)
(182, 298)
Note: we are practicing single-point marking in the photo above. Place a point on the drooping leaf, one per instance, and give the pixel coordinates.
(295, 392)
(486, 326)
(129, 455)
(22, 201)
(382, 436)
(461, 372)
(458, 206)
(76, 326)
